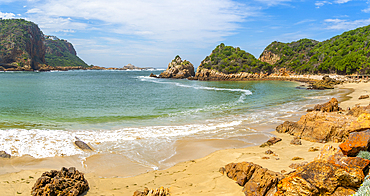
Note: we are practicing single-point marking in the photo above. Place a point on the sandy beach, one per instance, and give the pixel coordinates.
(192, 177)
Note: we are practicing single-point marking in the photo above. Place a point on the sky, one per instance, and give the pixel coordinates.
(150, 33)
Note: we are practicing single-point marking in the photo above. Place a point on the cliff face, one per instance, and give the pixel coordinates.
(178, 69)
(21, 45)
(61, 53)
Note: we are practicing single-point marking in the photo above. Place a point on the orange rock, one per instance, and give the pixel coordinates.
(330, 154)
(362, 123)
(356, 142)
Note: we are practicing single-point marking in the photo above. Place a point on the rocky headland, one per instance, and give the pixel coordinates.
(178, 69)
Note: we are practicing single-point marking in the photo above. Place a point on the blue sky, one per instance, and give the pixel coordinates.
(151, 33)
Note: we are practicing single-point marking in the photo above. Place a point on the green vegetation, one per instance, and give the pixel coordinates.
(364, 155)
(227, 59)
(343, 54)
(364, 189)
(61, 53)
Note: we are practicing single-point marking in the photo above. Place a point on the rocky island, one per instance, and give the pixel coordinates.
(178, 69)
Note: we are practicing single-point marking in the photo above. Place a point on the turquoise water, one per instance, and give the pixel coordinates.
(128, 112)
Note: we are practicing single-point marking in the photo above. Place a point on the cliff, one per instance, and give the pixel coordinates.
(178, 69)
(61, 53)
(343, 54)
(21, 45)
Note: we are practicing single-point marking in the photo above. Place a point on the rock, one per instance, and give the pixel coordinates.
(153, 192)
(269, 152)
(320, 178)
(66, 182)
(269, 57)
(355, 143)
(208, 74)
(325, 83)
(3, 154)
(255, 179)
(330, 154)
(153, 75)
(341, 191)
(313, 149)
(297, 158)
(298, 165)
(178, 69)
(363, 97)
(296, 141)
(324, 127)
(358, 110)
(331, 106)
(271, 142)
(82, 145)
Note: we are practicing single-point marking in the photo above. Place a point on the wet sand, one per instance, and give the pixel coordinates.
(198, 176)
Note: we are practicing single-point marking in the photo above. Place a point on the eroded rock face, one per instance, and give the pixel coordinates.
(271, 142)
(178, 69)
(255, 179)
(269, 57)
(66, 182)
(355, 143)
(3, 154)
(320, 178)
(207, 74)
(358, 110)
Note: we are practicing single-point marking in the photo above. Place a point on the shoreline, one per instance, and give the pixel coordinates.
(194, 177)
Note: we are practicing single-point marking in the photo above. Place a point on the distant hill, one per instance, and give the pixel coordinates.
(23, 47)
(343, 54)
(228, 60)
(60, 52)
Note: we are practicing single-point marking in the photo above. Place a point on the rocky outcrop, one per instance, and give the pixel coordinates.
(269, 57)
(325, 83)
(22, 45)
(3, 154)
(207, 74)
(255, 179)
(178, 69)
(131, 67)
(321, 178)
(153, 192)
(271, 142)
(66, 182)
(331, 106)
(358, 110)
(363, 97)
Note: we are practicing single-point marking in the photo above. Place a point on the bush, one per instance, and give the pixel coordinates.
(364, 189)
(364, 155)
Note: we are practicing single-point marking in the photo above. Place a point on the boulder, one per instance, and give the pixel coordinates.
(3, 154)
(66, 182)
(296, 141)
(271, 142)
(152, 75)
(324, 127)
(355, 143)
(320, 178)
(330, 154)
(325, 83)
(358, 110)
(331, 106)
(363, 97)
(178, 69)
(255, 179)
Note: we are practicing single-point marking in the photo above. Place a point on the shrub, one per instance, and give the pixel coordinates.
(364, 189)
(364, 155)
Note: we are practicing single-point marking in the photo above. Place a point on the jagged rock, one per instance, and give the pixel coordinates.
(330, 154)
(313, 149)
(255, 179)
(269, 57)
(331, 106)
(269, 152)
(3, 154)
(178, 69)
(152, 75)
(207, 74)
(66, 182)
(325, 83)
(324, 127)
(153, 192)
(363, 97)
(320, 178)
(358, 110)
(355, 143)
(271, 142)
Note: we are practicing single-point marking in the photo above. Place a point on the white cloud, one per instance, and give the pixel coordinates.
(367, 10)
(273, 2)
(6, 15)
(319, 4)
(166, 20)
(304, 21)
(341, 1)
(339, 24)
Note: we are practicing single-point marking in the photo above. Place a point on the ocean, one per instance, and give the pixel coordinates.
(138, 117)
